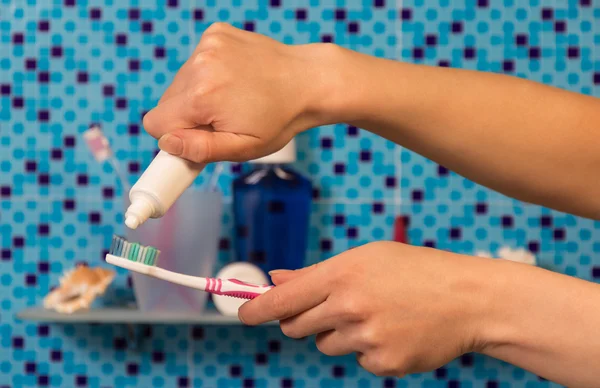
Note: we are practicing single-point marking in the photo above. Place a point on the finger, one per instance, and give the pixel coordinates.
(177, 86)
(378, 363)
(333, 343)
(204, 146)
(179, 83)
(182, 79)
(286, 300)
(280, 276)
(174, 113)
(313, 321)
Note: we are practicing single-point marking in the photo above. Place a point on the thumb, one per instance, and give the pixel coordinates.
(280, 276)
(203, 146)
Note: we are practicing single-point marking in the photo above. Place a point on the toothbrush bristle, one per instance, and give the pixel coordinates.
(133, 251)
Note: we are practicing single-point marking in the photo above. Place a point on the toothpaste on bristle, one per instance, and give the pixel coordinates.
(163, 182)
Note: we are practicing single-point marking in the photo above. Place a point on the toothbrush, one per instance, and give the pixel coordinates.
(143, 259)
(100, 148)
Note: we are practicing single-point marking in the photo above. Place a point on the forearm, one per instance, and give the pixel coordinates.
(524, 139)
(544, 322)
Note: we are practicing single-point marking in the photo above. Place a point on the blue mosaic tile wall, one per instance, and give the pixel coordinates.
(65, 64)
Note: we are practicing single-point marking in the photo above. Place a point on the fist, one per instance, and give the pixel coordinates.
(239, 96)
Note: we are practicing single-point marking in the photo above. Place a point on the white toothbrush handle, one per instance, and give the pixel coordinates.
(229, 287)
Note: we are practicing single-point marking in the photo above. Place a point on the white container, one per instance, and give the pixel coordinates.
(165, 179)
(246, 272)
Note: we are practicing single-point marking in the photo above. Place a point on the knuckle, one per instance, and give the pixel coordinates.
(148, 121)
(205, 58)
(199, 59)
(289, 329)
(197, 98)
(350, 308)
(202, 150)
(323, 347)
(280, 306)
(213, 41)
(216, 28)
(369, 336)
(381, 365)
(384, 371)
(338, 277)
(195, 95)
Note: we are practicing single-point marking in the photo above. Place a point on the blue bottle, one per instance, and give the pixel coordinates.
(271, 208)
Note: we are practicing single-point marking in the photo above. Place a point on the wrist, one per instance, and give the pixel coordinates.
(330, 83)
(358, 89)
(486, 282)
(507, 304)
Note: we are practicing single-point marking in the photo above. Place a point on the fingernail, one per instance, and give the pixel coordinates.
(278, 271)
(171, 144)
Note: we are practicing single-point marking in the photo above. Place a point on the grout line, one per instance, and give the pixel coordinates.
(190, 350)
(49, 135)
(192, 29)
(324, 201)
(398, 148)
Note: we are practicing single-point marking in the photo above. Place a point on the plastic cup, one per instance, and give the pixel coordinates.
(188, 238)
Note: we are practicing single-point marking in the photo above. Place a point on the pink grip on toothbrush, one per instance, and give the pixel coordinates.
(213, 285)
(240, 294)
(234, 288)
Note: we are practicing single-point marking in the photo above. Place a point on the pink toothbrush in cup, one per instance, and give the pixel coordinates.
(143, 259)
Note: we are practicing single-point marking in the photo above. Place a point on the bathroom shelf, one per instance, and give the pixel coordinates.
(127, 316)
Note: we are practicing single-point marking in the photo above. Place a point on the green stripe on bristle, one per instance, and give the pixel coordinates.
(144, 258)
(133, 252)
(138, 250)
(150, 256)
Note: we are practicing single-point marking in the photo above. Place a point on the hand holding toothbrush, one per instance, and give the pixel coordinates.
(401, 309)
(405, 309)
